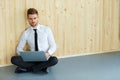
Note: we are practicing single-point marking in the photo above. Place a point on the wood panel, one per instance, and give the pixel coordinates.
(79, 26)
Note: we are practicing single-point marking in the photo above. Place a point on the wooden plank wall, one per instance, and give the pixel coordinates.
(79, 26)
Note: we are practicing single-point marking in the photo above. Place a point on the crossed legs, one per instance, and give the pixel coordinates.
(34, 66)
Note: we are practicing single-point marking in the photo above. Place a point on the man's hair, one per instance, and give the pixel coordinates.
(32, 11)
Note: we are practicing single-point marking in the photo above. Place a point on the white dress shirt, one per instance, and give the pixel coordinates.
(45, 40)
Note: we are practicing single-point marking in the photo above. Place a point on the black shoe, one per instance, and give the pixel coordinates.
(45, 70)
(21, 70)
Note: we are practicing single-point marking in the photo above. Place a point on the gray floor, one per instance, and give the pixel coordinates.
(91, 67)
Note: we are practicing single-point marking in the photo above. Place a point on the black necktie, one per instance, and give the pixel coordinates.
(35, 37)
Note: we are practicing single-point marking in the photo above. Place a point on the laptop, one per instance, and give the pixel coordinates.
(33, 56)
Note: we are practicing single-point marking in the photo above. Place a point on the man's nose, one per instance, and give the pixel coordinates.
(32, 20)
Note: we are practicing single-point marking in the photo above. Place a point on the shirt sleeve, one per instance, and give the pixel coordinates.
(51, 41)
(21, 43)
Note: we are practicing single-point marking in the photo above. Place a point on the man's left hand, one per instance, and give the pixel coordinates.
(47, 55)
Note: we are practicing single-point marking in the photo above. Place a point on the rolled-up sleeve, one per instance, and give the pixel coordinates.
(51, 41)
(21, 43)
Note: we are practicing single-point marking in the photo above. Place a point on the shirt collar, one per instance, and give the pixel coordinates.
(36, 27)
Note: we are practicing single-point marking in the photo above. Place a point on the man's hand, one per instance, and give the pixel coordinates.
(47, 54)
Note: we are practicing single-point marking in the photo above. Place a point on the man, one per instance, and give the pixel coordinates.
(45, 42)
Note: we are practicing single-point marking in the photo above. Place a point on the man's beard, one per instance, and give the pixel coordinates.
(33, 25)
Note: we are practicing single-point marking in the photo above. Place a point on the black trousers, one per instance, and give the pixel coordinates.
(18, 61)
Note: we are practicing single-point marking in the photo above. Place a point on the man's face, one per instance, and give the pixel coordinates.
(33, 19)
